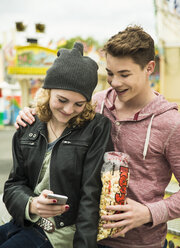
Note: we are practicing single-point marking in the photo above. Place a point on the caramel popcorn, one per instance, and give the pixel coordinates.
(114, 177)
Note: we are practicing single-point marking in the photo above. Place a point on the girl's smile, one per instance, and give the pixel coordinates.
(65, 105)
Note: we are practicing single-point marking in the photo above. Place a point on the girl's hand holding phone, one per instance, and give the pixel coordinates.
(45, 207)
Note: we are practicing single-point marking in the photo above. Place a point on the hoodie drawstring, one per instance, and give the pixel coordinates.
(147, 134)
(147, 137)
(102, 106)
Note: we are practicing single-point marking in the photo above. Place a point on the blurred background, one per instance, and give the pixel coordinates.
(31, 32)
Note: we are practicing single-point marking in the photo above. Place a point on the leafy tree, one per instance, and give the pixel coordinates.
(90, 41)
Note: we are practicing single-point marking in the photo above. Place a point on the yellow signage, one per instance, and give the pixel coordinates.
(32, 60)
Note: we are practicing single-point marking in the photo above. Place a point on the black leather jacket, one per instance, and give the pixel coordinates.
(75, 167)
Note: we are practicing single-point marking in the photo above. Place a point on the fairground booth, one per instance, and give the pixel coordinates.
(28, 67)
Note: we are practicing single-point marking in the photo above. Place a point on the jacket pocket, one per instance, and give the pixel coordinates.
(28, 143)
(73, 154)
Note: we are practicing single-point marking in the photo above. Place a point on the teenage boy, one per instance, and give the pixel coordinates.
(147, 127)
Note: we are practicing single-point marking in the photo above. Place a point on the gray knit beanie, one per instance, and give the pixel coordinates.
(73, 71)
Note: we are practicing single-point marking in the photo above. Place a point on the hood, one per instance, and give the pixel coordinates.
(158, 106)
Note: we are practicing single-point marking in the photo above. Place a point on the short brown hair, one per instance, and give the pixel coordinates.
(133, 42)
(44, 113)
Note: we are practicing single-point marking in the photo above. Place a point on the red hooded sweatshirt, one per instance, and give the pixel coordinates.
(152, 140)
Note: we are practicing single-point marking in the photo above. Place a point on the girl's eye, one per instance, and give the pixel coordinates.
(79, 104)
(62, 100)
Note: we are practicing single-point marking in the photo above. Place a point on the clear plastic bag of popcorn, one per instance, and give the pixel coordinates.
(114, 177)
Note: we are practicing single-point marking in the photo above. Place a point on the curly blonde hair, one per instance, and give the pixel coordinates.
(44, 113)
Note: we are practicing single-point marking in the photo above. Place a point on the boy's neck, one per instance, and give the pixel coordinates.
(129, 109)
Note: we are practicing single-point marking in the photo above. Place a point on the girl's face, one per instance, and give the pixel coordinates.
(65, 104)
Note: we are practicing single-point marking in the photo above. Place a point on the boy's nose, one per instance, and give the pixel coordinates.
(116, 83)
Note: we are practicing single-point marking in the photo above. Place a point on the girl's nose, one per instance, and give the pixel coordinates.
(68, 109)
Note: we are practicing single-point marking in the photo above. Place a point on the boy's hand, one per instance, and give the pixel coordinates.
(133, 214)
(27, 115)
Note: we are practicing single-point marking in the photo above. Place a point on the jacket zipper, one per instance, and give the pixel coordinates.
(42, 163)
(51, 155)
(50, 161)
(67, 142)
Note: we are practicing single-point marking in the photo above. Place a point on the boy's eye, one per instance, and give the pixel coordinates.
(125, 75)
(109, 73)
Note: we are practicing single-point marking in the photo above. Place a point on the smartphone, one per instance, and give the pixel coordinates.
(61, 199)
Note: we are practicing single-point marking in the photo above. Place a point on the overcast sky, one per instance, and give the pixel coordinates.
(69, 18)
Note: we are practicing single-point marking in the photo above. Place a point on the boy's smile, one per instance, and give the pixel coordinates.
(129, 80)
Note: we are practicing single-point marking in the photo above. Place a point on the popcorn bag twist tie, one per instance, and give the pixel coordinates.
(114, 177)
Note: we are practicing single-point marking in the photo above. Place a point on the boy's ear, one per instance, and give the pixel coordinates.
(150, 67)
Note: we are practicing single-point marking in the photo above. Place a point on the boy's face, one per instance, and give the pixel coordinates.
(130, 81)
